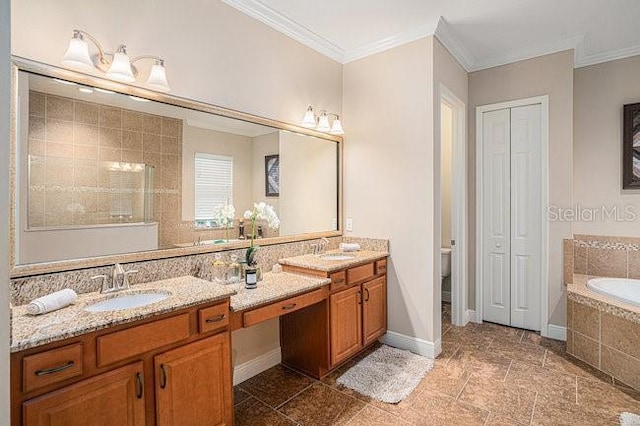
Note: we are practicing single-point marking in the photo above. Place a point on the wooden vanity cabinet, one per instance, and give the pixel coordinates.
(356, 317)
(172, 369)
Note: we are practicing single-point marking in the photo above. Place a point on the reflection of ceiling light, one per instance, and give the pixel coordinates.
(85, 90)
(135, 98)
(126, 167)
(117, 66)
(322, 123)
(68, 83)
(109, 92)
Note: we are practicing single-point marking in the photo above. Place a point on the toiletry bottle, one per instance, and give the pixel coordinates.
(235, 271)
(219, 270)
(260, 233)
(250, 277)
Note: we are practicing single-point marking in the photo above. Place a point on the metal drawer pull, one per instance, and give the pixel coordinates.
(215, 319)
(366, 299)
(340, 281)
(359, 297)
(54, 370)
(291, 306)
(139, 385)
(163, 377)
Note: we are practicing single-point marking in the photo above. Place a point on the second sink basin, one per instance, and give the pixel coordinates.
(337, 256)
(127, 301)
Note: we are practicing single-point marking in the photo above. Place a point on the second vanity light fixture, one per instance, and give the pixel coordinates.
(321, 122)
(117, 66)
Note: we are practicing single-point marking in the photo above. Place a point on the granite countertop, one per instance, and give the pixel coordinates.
(273, 287)
(579, 292)
(28, 331)
(315, 261)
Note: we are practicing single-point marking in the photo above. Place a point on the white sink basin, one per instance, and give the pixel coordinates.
(337, 256)
(127, 301)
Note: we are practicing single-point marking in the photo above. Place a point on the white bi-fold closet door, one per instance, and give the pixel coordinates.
(511, 216)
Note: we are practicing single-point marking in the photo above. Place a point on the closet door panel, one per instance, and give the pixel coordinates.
(526, 216)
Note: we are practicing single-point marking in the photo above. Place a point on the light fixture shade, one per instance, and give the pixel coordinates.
(309, 119)
(120, 68)
(77, 55)
(336, 127)
(323, 123)
(158, 78)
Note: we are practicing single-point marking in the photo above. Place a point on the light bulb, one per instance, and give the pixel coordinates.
(323, 123)
(309, 119)
(120, 68)
(158, 78)
(77, 54)
(336, 127)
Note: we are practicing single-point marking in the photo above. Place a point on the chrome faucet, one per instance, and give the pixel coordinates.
(119, 279)
(319, 247)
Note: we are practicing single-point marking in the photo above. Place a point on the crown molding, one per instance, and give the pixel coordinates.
(529, 53)
(287, 26)
(387, 43)
(583, 60)
(459, 51)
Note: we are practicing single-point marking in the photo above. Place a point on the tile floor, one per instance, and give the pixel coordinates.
(486, 375)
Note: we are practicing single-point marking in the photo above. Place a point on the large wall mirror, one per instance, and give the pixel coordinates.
(104, 173)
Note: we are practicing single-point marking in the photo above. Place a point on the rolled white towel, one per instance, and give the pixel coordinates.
(52, 302)
(349, 246)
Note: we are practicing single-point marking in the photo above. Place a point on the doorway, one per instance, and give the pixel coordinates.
(512, 165)
(452, 192)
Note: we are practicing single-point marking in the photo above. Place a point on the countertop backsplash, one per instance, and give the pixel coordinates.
(25, 289)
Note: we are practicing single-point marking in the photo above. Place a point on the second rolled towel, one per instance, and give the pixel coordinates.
(349, 246)
(52, 302)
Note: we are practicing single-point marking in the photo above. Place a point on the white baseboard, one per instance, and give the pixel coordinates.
(413, 344)
(256, 366)
(556, 332)
(471, 316)
(446, 296)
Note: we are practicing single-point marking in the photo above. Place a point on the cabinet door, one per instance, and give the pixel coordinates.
(374, 314)
(193, 384)
(113, 398)
(346, 324)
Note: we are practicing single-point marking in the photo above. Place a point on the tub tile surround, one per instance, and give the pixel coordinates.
(603, 332)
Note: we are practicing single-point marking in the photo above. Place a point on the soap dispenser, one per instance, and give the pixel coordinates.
(219, 270)
(235, 270)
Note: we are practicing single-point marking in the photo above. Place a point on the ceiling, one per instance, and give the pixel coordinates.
(480, 33)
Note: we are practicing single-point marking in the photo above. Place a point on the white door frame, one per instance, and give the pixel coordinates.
(459, 212)
(544, 190)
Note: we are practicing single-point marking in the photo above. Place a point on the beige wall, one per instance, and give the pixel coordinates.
(546, 75)
(389, 173)
(600, 92)
(308, 184)
(225, 57)
(5, 78)
(449, 73)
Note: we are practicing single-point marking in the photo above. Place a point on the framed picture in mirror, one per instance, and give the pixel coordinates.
(272, 175)
(631, 147)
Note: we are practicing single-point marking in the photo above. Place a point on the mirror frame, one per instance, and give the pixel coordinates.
(27, 65)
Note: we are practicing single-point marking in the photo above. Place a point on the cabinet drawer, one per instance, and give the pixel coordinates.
(381, 266)
(338, 281)
(213, 317)
(277, 309)
(52, 366)
(143, 338)
(359, 273)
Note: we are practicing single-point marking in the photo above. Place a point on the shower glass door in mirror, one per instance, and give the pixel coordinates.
(102, 173)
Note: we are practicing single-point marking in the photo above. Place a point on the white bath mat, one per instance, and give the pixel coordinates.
(629, 419)
(387, 374)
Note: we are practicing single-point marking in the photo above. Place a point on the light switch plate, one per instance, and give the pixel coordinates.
(349, 224)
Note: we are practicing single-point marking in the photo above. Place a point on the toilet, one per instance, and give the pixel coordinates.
(445, 262)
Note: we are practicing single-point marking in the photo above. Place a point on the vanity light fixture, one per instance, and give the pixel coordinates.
(85, 90)
(321, 122)
(116, 66)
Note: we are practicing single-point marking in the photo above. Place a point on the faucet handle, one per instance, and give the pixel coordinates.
(103, 283)
(125, 277)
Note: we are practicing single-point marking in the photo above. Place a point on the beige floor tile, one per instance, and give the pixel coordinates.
(276, 385)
